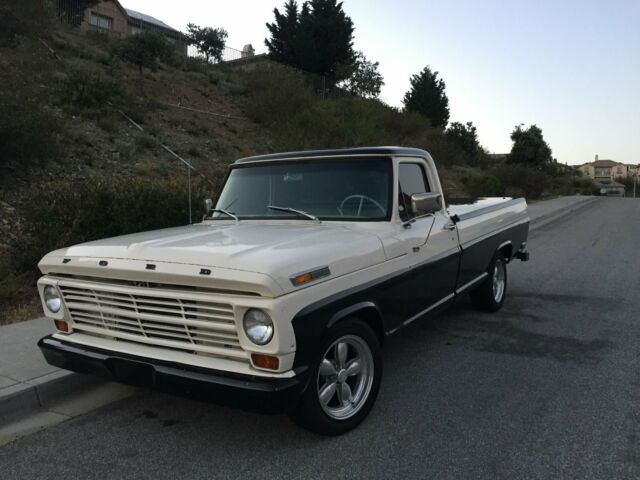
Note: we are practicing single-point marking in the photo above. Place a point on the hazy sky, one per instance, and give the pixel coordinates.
(570, 66)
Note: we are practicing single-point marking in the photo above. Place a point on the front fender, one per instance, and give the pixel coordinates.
(311, 324)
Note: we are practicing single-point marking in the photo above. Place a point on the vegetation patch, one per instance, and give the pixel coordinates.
(29, 135)
(75, 210)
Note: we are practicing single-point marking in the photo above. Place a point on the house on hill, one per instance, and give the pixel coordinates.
(112, 18)
(607, 170)
(605, 173)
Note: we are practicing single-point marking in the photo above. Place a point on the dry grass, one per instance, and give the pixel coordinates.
(25, 307)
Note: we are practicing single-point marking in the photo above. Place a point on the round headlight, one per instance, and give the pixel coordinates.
(52, 299)
(258, 326)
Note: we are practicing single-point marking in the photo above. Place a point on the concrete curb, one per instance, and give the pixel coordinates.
(19, 400)
(550, 217)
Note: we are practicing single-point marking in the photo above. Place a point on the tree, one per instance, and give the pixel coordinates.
(144, 50)
(208, 41)
(529, 148)
(283, 44)
(318, 38)
(365, 81)
(428, 98)
(466, 138)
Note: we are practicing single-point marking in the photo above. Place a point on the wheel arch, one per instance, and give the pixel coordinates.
(506, 250)
(366, 311)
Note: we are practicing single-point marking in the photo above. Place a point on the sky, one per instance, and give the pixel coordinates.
(572, 67)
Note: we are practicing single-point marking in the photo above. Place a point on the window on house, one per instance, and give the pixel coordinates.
(412, 180)
(100, 21)
(135, 30)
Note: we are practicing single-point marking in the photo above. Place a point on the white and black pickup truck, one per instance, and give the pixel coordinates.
(281, 298)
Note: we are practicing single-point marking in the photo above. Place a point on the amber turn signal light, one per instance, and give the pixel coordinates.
(62, 326)
(304, 278)
(265, 361)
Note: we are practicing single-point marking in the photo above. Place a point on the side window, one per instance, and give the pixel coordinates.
(412, 180)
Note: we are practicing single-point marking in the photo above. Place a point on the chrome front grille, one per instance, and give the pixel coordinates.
(174, 320)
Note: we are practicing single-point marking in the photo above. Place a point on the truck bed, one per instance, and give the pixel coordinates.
(486, 216)
(485, 227)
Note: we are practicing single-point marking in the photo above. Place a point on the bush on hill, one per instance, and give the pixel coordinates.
(75, 210)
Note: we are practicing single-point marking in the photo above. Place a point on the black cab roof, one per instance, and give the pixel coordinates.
(339, 152)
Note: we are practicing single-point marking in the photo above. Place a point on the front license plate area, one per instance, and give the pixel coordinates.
(132, 372)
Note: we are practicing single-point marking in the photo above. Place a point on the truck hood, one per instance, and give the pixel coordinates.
(276, 250)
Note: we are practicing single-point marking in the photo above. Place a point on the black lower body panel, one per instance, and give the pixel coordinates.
(260, 394)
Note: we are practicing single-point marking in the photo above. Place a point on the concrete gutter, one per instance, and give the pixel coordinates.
(548, 211)
(35, 395)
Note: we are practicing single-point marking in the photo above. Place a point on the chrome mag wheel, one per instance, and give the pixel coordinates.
(498, 280)
(345, 377)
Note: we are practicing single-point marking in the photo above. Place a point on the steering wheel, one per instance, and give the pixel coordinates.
(362, 199)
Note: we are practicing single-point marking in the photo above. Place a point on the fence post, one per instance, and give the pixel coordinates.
(189, 189)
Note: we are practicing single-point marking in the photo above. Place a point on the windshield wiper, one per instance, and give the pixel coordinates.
(226, 213)
(297, 212)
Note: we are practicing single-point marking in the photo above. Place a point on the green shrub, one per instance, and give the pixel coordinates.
(88, 89)
(195, 64)
(23, 18)
(480, 184)
(276, 94)
(28, 134)
(144, 169)
(11, 284)
(108, 122)
(521, 181)
(571, 185)
(125, 148)
(145, 50)
(194, 151)
(71, 211)
(145, 141)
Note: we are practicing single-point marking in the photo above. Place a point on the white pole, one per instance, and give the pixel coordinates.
(189, 189)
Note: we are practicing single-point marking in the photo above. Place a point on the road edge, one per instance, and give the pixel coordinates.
(551, 217)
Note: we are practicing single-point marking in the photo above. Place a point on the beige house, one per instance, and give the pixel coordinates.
(607, 169)
(112, 18)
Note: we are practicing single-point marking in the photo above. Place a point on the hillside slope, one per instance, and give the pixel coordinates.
(74, 165)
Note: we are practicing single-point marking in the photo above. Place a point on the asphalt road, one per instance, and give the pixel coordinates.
(547, 388)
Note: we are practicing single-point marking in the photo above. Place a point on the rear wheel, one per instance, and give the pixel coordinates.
(344, 381)
(489, 296)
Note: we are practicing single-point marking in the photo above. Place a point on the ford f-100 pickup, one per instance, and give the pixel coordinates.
(281, 298)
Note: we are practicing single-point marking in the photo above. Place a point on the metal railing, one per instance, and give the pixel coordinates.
(67, 11)
(228, 54)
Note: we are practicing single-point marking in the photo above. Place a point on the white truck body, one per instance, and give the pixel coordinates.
(178, 296)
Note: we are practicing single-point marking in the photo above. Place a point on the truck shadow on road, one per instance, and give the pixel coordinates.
(518, 329)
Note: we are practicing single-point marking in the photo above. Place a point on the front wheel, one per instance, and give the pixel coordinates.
(344, 380)
(489, 296)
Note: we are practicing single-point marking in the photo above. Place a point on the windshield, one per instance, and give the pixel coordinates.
(358, 189)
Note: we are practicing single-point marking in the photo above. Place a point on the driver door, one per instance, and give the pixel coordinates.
(430, 243)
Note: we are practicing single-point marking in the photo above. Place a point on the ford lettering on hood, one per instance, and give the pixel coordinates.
(276, 249)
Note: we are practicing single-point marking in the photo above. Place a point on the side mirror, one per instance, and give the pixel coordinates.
(208, 205)
(424, 203)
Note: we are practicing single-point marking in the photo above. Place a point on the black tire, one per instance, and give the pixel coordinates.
(483, 297)
(309, 413)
